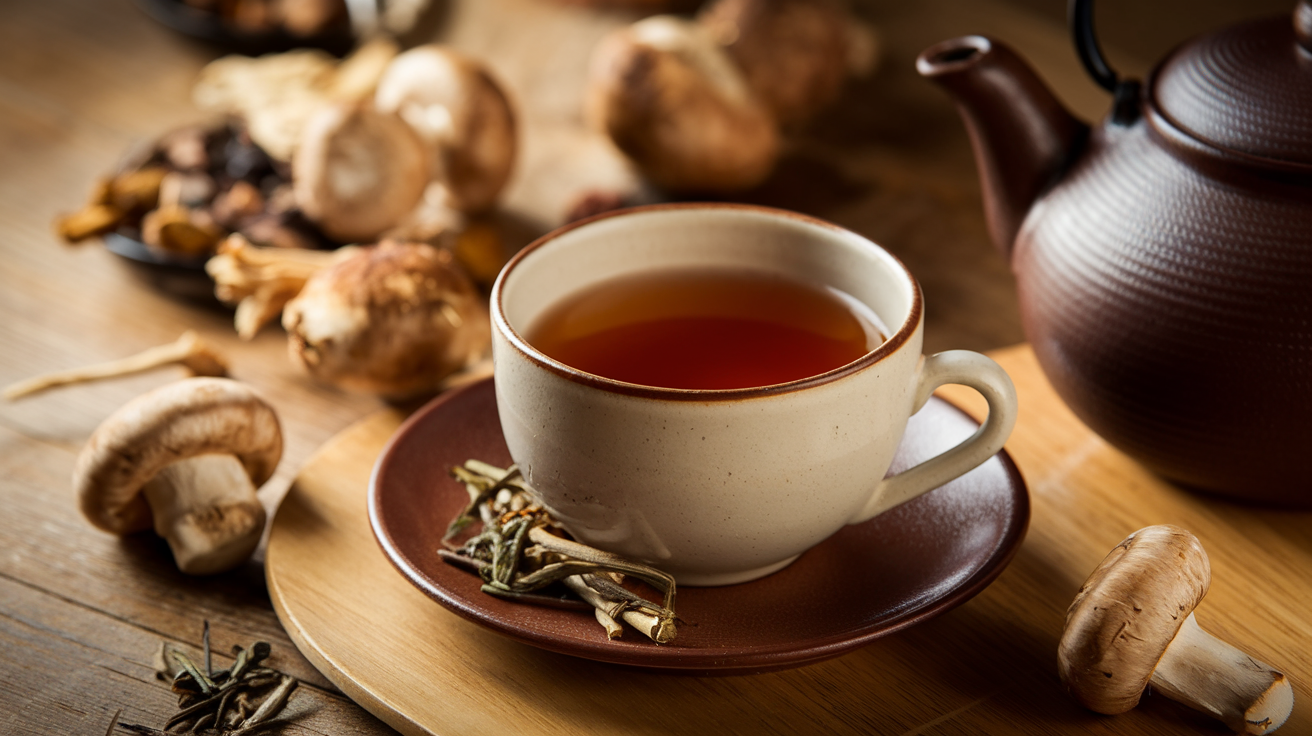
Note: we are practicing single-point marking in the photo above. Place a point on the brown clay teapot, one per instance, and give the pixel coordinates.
(1164, 257)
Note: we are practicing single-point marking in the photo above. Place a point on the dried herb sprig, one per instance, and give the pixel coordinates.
(521, 550)
(239, 700)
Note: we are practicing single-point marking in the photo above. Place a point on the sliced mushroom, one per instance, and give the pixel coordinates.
(358, 171)
(1132, 624)
(394, 320)
(674, 101)
(462, 115)
(184, 459)
(188, 351)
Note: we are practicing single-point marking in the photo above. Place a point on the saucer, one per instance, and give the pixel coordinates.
(868, 580)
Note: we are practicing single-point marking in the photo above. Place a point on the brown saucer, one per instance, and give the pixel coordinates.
(868, 580)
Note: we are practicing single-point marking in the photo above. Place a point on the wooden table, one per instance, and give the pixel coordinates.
(81, 612)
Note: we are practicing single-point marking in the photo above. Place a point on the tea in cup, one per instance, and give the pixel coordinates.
(714, 389)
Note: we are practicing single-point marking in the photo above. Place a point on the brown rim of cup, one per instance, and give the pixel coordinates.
(517, 341)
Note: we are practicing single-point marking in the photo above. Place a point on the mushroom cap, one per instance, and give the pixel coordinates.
(793, 52)
(675, 102)
(194, 416)
(1126, 614)
(394, 319)
(461, 114)
(358, 171)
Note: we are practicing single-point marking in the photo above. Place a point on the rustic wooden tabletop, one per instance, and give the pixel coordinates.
(82, 612)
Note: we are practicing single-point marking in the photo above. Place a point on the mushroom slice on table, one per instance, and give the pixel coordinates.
(185, 459)
(1132, 625)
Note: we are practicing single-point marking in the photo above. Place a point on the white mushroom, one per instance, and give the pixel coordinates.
(358, 171)
(462, 115)
(394, 319)
(1132, 625)
(674, 101)
(184, 459)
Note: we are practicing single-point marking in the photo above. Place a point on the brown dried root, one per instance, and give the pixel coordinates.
(189, 351)
(261, 280)
(513, 568)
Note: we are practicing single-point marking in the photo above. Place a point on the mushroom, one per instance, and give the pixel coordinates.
(393, 319)
(358, 171)
(186, 459)
(261, 280)
(794, 53)
(673, 100)
(462, 115)
(188, 351)
(1132, 625)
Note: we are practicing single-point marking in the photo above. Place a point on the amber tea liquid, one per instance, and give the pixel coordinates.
(706, 329)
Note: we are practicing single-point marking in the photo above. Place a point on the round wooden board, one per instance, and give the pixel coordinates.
(426, 670)
(988, 666)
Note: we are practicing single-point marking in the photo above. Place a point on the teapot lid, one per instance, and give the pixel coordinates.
(1247, 89)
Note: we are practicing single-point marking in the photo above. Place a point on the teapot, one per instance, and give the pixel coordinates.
(1163, 257)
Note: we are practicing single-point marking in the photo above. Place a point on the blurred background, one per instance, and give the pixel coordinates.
(82, 81)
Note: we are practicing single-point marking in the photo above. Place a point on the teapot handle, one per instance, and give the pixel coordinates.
(1303, 25)
(1125, 108)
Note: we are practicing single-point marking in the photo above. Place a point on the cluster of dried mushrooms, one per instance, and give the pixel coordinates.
(701, 105)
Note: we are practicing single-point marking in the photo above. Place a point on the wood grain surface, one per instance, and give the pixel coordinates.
(81, 81)
(986, 667)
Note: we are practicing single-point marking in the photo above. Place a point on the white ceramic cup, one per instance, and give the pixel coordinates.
(724, 486)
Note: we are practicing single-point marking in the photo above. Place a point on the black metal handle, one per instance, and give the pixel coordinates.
(1125, 107)
(1086, 43)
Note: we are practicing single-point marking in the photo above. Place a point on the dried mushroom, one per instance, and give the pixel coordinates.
(184, 459)
(261, 280)
(794, 53)
(188, 351)
(461, 114)
(393, 319)
(114, 201)
(302, 18)
(190, 189)
(358, 171)
(1132, 625)
(675, 102)
(699, 106)
(276, 95)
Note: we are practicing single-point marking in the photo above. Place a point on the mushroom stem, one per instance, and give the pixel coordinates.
(188, 351)
(1211, 676)
(261, 280)
(206, 507)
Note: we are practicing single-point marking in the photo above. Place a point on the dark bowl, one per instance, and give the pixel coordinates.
(208, 27)
(177, 276)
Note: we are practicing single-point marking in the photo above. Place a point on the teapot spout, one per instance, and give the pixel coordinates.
(1023, 137)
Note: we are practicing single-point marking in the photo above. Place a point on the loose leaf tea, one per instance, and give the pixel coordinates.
(239, 700)
(521, 552)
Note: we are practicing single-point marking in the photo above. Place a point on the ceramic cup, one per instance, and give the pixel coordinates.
(724, 486)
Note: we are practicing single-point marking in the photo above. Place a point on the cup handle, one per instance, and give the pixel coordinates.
(968, 369)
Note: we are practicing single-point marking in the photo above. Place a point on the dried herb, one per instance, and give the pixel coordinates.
(232, 702)
(520, 551)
